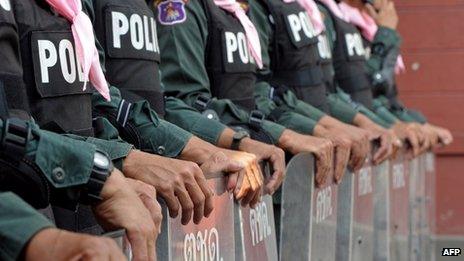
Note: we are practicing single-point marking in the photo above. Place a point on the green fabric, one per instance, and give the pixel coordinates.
(362, 109)
(183, 68)
(383, 112)
(389, 39)
(19, 222)
(300, 118)
(186, 117)
(156, 136)
(50, 150)
(293, 113)
(340, 109)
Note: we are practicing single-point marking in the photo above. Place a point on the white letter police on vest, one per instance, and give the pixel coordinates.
(299, 22)
(234, 43)
(140, 29)
(49, 55)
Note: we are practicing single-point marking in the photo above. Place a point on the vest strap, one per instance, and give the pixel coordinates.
(16, 135)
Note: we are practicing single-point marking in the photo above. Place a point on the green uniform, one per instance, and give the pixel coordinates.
(150, 133)
(73, 154)
(337, 107)
(184, 73)
(286, 109)
(19, 222)
(373, 115)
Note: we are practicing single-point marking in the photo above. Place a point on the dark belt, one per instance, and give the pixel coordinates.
(305, 77)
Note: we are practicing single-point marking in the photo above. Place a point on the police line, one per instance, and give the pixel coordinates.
(382, 212)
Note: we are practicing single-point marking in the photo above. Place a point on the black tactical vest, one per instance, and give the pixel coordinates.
(230, 66)
(349, 59)
(52, 76)
(325, 54)
(294, 58)
(127, 31)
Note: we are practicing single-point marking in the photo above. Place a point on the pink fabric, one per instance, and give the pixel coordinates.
(314, 14)
(251, 33)
(333, 6)
(367, 26)
(84, 41)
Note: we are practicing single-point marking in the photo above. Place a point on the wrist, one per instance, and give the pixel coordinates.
(114, 182)
(198, 151)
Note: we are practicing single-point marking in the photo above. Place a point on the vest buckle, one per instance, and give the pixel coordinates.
(16, 135)
(256, 119)
(202, 102)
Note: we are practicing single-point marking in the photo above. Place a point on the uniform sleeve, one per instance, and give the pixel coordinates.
(383, 112)
(186, 117)
(289, 111)
(183, 70)
(19, 222)
(341, 110)
(136, 122)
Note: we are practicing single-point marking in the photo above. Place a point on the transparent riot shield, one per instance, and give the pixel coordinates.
(399, 208)
(309, 214)
(212, 239)
(255, 235)
(415, 202)
(363, 214)
(257, 232)
(345, 218)
(430, 202)
(381, 210)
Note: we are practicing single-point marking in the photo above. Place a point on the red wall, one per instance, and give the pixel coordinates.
(433, 48)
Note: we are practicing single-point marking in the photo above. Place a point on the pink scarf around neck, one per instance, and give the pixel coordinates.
(368, 28)
(313, 11)
(84, 40)
(254, 46)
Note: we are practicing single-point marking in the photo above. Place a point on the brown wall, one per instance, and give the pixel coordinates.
(433, 48)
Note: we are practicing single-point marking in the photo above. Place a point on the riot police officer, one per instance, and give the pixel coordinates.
(210, 64)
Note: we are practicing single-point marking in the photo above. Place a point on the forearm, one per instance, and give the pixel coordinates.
(18, 224)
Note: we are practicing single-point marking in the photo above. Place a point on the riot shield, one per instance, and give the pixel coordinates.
(381, 210)
(255, 235)
(430, 202)
(309, 214)
(362, 247)
(399, 208)
(415, 202)
(212, 239)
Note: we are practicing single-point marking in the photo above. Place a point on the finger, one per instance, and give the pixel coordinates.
(198, 199)
(382, 152)
(245, 189)
(342, 156)
(185, 203)
(278, 175)
(257, 173)
(150, 204)
(256, 199)
(322, 171)
(151, 246)
(413, 141)
(171, 202)
(248, 197)
(209, 195)
(138, 245)
(232, 180)
(241, 180)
